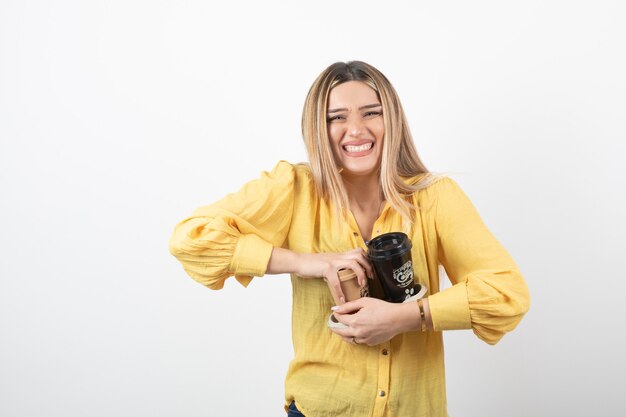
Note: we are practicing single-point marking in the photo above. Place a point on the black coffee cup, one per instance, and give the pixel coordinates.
(390, 254)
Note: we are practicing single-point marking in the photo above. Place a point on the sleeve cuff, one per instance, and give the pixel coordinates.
(449, 308)
(251, 257)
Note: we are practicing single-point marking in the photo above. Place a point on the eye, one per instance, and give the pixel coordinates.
(372, 113)
(335, 118)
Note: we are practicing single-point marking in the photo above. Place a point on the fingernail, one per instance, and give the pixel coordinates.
(334, 308)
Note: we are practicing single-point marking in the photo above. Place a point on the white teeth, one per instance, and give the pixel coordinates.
(360, 148)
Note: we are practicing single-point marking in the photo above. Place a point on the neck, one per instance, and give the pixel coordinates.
(363, 191)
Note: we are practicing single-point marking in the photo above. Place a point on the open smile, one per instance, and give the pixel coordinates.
(360, 148)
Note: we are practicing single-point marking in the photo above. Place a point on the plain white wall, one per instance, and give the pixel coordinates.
(118, 118)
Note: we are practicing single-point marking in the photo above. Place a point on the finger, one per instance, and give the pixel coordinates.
(354, 259)
(361, 257)
(361, 279)
(352, 340)
(359, 271)
(354, 253)
(333, 282)
(368, 265)
(346, 333)
(349, 336)
(348, 308)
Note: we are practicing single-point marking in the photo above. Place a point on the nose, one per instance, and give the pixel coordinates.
(355, 128)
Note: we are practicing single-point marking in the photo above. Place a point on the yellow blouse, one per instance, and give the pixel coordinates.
(327, 376)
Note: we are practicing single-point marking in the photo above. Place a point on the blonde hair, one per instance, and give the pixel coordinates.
(399, 158)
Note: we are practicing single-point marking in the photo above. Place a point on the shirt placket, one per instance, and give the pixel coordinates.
(384, 349)
(384, 362)
(384, 355)
(377, 229)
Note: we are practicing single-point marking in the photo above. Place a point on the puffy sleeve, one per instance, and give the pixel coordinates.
(489, 294)
(235, 236)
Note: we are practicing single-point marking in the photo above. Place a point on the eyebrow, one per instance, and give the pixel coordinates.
(367, 106)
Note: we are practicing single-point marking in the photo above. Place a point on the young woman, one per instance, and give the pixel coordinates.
(364, 178)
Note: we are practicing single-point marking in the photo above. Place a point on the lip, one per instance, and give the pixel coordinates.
(358, 143)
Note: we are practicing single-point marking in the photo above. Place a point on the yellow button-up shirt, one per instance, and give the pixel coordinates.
(328, 377)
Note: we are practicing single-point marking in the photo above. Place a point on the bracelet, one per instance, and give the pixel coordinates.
(422, 315)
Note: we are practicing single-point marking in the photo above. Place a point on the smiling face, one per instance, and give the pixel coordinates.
(355, 127)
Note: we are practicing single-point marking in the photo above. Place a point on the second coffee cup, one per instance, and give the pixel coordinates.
(349, 286)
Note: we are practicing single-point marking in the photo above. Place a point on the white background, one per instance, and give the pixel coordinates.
(118, 118)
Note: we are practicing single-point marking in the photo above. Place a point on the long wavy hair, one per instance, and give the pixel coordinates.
(399, 161)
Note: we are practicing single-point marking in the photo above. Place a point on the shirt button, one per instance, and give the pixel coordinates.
(385, 352)
(381, 393)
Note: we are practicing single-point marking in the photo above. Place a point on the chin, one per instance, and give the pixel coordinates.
(359, 169)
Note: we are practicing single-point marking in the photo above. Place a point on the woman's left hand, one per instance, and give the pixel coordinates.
(372, 321)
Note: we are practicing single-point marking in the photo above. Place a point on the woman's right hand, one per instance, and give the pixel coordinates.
(326, 265)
